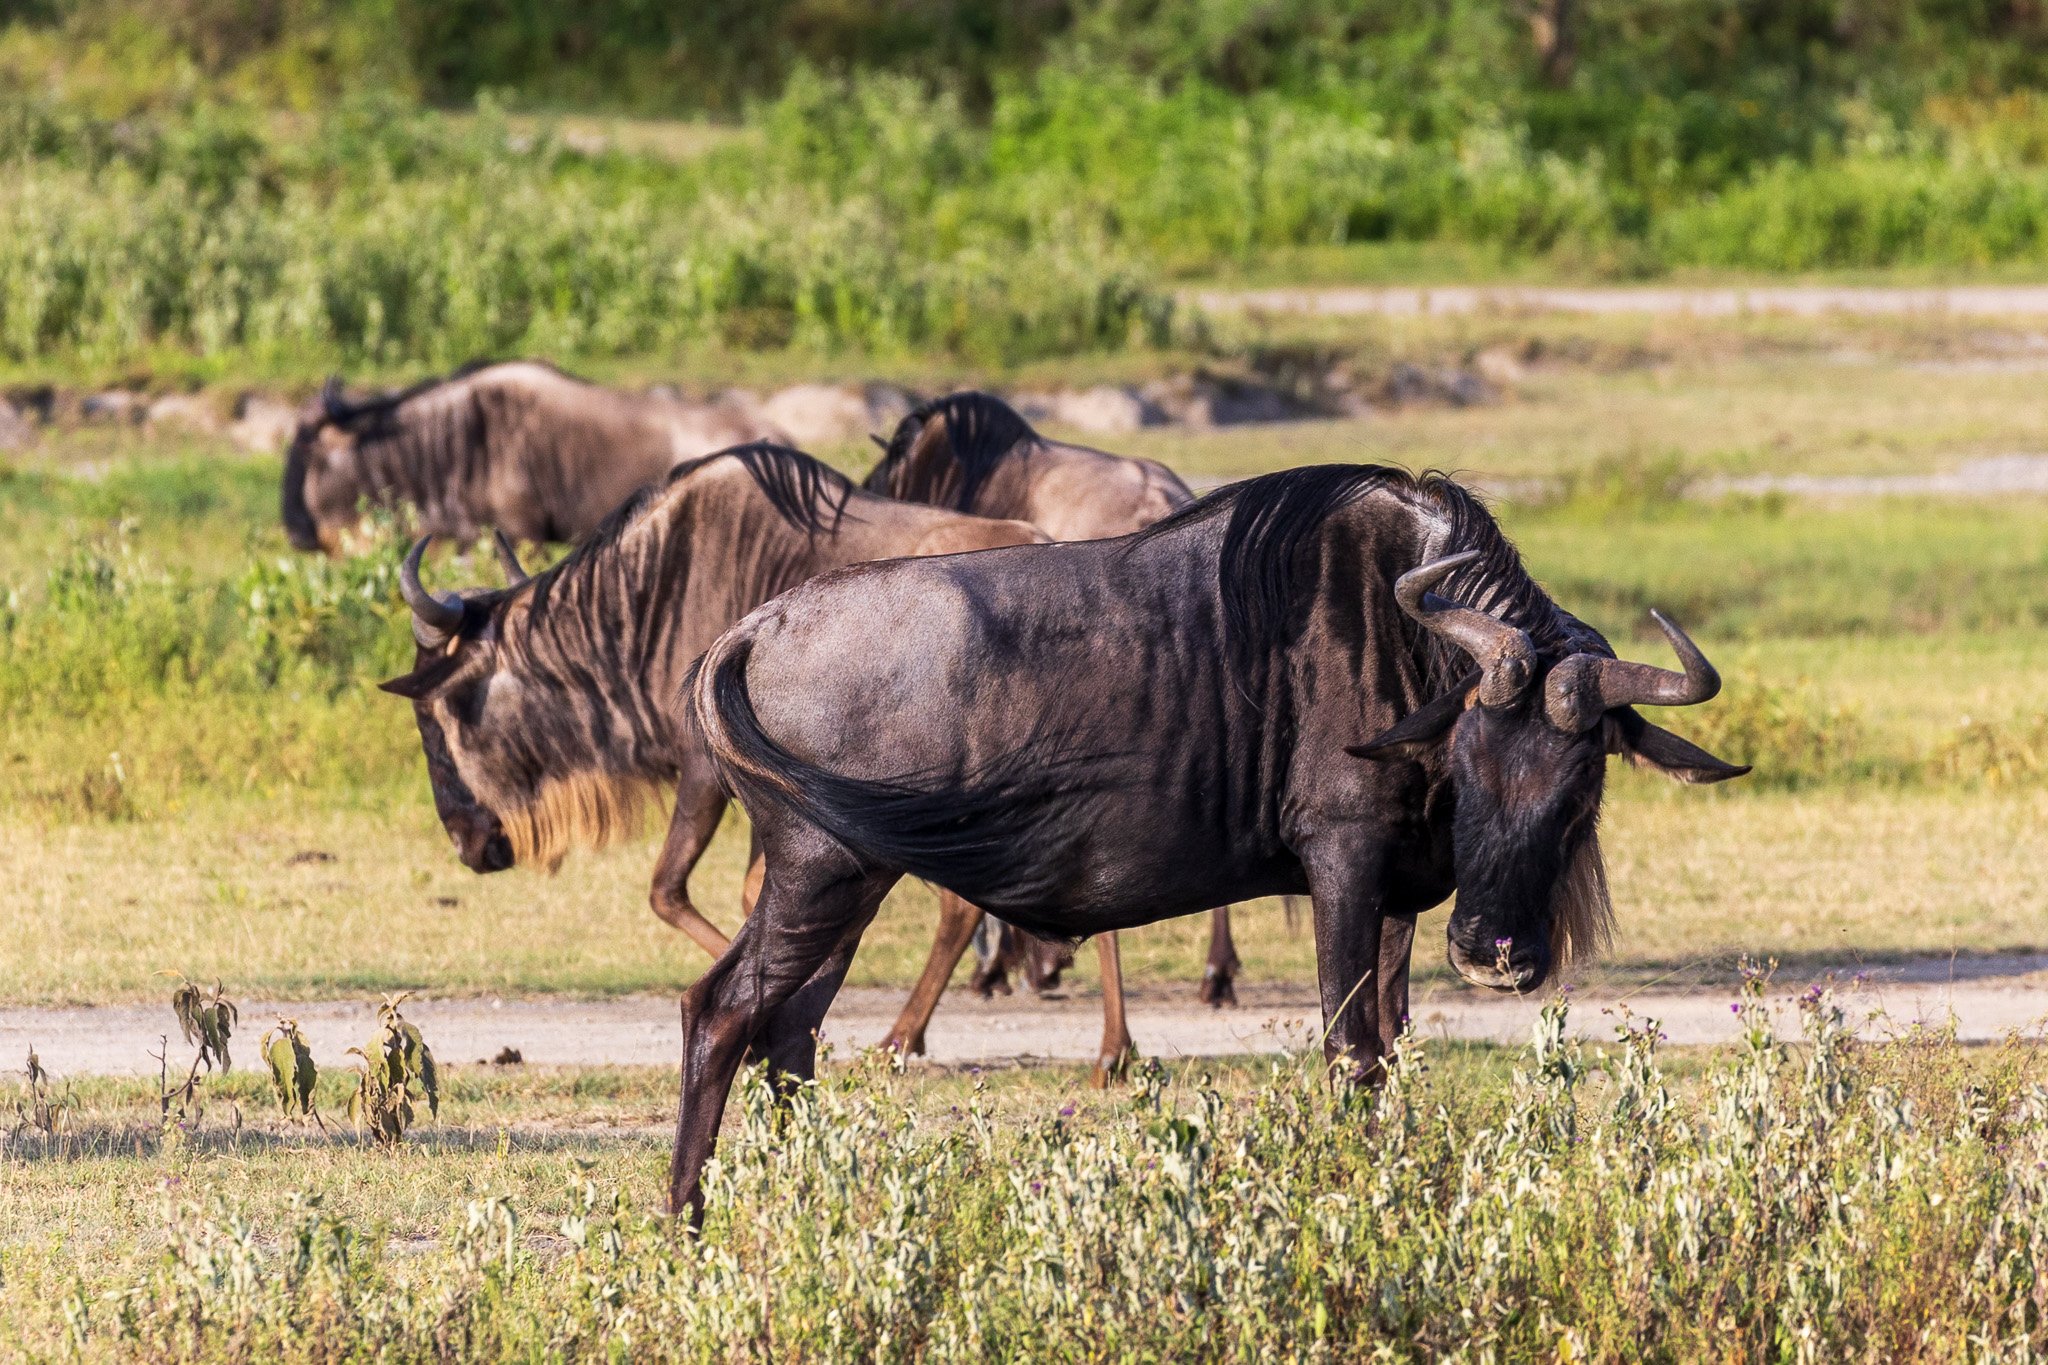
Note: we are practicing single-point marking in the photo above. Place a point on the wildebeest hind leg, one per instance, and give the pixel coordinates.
(957, 923)
(809, 917)
(1117, 1049)
(1219, 977)
(699, 804)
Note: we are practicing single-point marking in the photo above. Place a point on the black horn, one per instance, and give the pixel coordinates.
(1586, 686)
(331, 402)
(441, 615)
(1504, 653)
(508, 559)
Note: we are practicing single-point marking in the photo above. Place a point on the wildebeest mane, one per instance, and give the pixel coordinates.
(981, 431)
(963, 833)
(344, 413)
(1265, 569)
(806, 492)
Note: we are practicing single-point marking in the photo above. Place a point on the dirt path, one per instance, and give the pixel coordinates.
(1987, 997)
(1989, 300)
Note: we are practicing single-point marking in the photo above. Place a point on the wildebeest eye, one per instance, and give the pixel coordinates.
(466, 703)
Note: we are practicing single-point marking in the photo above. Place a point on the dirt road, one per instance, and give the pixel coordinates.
(1989, 300)
(1987, 998)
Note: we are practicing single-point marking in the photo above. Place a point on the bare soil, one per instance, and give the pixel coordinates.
(1984, 998)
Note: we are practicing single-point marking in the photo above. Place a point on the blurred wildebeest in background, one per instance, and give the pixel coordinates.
(519, 446)
(973, 452)
(552, 709)
(1337, 680)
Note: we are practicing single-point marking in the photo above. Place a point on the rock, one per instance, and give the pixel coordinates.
(17, 432)
(114, 405)
(263, 425)
(185, 410)
(1461, 388)
(818, 414)
(888, 405)
(1218, 401)
(1106, 408)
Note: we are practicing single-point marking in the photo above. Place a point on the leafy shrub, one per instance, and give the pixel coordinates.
(1790, 733)
(397, 1072)
(1994, 755)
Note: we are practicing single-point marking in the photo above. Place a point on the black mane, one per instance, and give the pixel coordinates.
(981, 431)
(805, 491)
(808, 494)
(1264, 568)
(339, 412)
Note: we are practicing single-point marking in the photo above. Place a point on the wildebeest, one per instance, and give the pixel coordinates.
(973, 452)
(551, 710)
(1336, 680)
(519, 446)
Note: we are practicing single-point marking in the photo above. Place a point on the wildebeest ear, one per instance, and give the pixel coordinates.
(1422, 726)
(1629, 735)
(422, 681)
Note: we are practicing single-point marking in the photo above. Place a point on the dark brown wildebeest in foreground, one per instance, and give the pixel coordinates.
(1335, 680)
(973, 452)
(518, 446)
(551, 710)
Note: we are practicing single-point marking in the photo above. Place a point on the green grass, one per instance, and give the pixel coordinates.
(1868, 1199)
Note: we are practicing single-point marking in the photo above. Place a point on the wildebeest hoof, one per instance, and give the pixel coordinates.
(990, 982)
(1218, 989)
(913, 1047)
(1111, 1066)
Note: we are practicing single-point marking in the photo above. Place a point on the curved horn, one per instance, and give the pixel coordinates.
(1587, 686)
(508, 559)
(439, 614)
(330, 398)
(1505, 654)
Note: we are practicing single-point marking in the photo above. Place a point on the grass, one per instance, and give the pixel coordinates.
(169, 748)
(1872, 1200)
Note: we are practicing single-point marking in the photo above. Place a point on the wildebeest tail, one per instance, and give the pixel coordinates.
(1003, 837)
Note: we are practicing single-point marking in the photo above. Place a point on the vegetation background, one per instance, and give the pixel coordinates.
(294, 184)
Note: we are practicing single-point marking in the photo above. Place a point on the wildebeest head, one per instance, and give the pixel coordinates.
(1527, 737)
(321, 483)
(485, 732)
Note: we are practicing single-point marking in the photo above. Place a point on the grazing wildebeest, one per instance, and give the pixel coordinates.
(519, 446)
(551, 710)
(1336, 680)
(973, 452)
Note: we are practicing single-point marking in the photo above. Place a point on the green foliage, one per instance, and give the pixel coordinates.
(292, 1072)
(397, 1070)
(1995, 755)
(1828, 1198)
(951, 176)
(1789, 732)
(206, 1020)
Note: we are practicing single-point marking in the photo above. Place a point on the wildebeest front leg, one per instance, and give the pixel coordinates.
(700, 801)
(1347, 899)
(1117, 1047)
(1397, 941)
(957, 923)
(806, 923)
(1219, 977)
